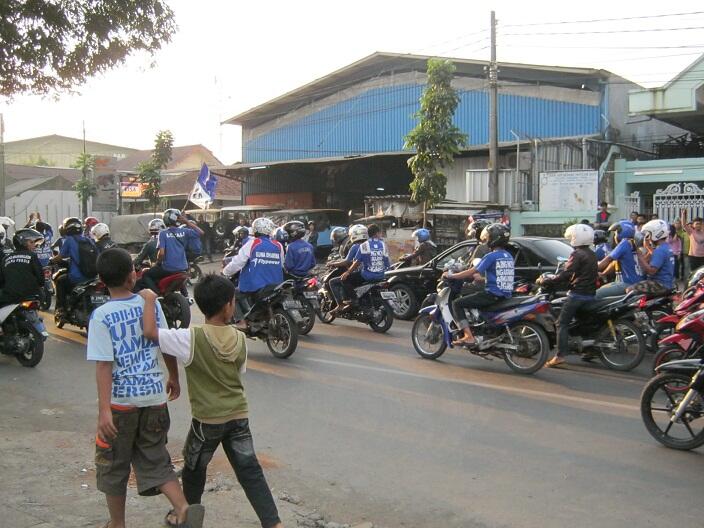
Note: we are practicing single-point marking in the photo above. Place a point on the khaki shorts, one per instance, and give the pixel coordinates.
(141, 444)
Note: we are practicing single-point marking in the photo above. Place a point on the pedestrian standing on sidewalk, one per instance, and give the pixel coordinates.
(133, 418)
(695, 230)
(206, 237)
(675, 243)
(684, 237)
(215, 357)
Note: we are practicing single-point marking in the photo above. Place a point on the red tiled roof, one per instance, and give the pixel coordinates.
(183, 184)
(177, 155)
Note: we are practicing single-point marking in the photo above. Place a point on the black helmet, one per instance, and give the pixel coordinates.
(600, 236)
(170, 217)
(40, 226)
(474, 229)
(72, 226)
(496, 235)
(22, 236)
(295, 230)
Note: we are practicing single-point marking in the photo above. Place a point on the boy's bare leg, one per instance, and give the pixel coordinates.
(116, 507)
(174, 493)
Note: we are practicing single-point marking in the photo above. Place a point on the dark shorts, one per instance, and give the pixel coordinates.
(141, 444)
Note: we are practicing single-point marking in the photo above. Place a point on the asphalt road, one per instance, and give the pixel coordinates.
(358, 424)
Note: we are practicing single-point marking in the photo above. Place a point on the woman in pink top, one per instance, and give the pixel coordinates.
(675, 243)
(695, 230)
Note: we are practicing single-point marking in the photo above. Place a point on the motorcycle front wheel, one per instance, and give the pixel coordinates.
(532, 348)
(382, 319)
(624, 349)
(667, 354)
(428, 337)
(282, 335)
(660, 397)
(326, 307)
(35, 351)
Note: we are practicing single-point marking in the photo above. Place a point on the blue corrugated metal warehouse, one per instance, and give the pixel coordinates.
(338, 138)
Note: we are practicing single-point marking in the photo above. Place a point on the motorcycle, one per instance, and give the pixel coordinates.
(515, 329)
(80, 302)
(176, 306)
(194, 271)
(672, 404)
(47, 291)
(273, 315)
(373, 303)
(306, 292)
(23, 332)
(686, 342)
(692, 300)
(610, 328)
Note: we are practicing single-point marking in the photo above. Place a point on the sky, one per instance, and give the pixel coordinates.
(230, 56)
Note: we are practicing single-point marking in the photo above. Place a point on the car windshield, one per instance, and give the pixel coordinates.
(551, 249)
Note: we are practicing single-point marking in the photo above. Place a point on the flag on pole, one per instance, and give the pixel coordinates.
(203, 192)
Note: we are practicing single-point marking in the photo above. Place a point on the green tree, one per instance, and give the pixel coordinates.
(435, 138)
(46, 45)
(150, 171)
(84, 187)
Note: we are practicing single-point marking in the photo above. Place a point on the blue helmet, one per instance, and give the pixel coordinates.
(280, 235)
(623, 229)
(421, 234)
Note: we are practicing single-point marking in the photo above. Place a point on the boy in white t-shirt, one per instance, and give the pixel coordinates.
(133, 418)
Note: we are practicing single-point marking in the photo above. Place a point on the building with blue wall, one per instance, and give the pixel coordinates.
(341, 137)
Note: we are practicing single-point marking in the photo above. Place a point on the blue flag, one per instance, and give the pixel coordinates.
(203, 192)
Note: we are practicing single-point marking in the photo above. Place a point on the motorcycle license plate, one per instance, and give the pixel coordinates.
(99, 299)
(310, 295)
(296, 316)
(388, 295)
(292, 305)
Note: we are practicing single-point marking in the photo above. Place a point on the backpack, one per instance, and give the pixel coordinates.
(87, 258)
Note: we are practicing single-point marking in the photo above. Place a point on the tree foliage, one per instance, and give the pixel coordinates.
(435, 138)
(84, 187)
(50, 45)
(150, 171)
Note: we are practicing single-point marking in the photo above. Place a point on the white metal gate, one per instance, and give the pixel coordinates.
(630, 203)
(669, 202)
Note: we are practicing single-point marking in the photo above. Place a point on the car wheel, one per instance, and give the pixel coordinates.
(406, 304)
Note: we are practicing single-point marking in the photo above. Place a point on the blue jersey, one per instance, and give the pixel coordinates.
(300, 258)
(175, 241)
(498, 270)
(352, 252)
(664, 261)
(70, 249)
(602, 250)
(623, 253)
(44, 253)
(374, 258)
(261, 261)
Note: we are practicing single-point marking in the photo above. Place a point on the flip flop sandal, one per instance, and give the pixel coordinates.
(170, 519)
(194, 516)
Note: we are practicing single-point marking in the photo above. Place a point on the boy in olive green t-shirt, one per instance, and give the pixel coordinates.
(215, 356)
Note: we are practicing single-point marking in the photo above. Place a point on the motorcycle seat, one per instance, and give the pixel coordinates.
(512, 302)
(174, 280)
(598, 304)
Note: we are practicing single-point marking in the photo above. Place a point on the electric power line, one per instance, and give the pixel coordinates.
(618, 19)
(602, 32)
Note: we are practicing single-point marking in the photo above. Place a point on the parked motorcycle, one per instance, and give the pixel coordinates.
(515, 329)
(672, 404)
(692, 300)
(23, 332)
(272, 315)
(372, 305)
(47, 291)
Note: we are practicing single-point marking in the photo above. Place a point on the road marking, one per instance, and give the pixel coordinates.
(492, 386)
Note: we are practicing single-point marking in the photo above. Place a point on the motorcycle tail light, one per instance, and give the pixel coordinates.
(47, 273)
(313, 283)
(29, 305)
(643, 302)
(542, 308)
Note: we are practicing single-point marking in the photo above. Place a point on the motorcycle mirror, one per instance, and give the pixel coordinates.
(561, 259)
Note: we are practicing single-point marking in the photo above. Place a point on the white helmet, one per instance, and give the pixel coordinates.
(263, 226)
(100, 230)
(156, 225)
(2, 234)
(358, 232)
(655, 230)
(580, 235)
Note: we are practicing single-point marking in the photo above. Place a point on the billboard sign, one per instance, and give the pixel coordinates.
(575, 191)
(105, 199)
(132, 189)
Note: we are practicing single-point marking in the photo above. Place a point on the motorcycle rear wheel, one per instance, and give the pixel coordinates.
(35, 352)
(45, 299)
(384, 322)
(325, 308)
(284, 343)
(533, 348)
(195, 274)
(308, 314)
(179, 303)
(630, 346)
(659, 398)
(428, 337)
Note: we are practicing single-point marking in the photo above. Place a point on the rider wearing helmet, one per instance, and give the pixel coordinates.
(101, 235)
(497, 267)
(43, 250)
(601, 244)
(358, 233)
(260, 260)
(474, 231)
(149, 249)
(89, 222)
(580, 272)
(300, 255)
(623, 255)
(658, 262)
(281, 236)
(340, 243)
(173, 243)
(82, 255)
(425, 248)
(4, 248)
(371, 259)
(21, 275)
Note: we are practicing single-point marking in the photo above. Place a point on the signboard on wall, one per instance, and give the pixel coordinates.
(569, 191)
(131, 189)
(105, 199)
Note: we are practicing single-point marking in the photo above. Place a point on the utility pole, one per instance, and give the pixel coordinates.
(84, 198)
(2, 165)
(493, 120)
